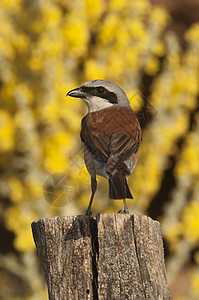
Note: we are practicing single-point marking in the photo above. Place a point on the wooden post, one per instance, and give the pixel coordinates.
(115, 256)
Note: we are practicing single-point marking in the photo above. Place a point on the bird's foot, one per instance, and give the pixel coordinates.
(125, 211)
(121, 211)
(89, 213)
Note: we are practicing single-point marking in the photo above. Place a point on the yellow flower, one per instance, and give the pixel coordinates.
(6, 131)
(18, 219)
(76, 36)
(94, 69)
(23, 241)
(136, 99)
(115, 66)
(117, 4)
(136, 29)
(189, 162)
(192, 83)
(35, 63)
(21, 42)
(34, 188)
(109, 29)
(94, 9)
(159, 48)
(196, 257)
(55, 152)
(190, 221)
(172, 233)
(52, 14)
(50, 112)
(10, 5)
(16, 190)
(159, 16)
(192, 34)
(195, 284)
(23, 93)
(141, 6)
(152, 66)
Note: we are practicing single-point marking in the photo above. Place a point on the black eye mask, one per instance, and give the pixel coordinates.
(101, 92)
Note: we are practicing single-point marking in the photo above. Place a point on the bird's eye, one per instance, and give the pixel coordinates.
(100, 89)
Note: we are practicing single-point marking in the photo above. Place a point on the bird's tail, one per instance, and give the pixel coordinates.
(118, 187)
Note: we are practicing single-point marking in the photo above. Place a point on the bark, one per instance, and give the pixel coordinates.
(115, 256)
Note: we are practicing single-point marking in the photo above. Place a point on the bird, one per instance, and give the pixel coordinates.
(111, 134)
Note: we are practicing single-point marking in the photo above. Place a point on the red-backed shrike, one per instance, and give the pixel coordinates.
(111, 135)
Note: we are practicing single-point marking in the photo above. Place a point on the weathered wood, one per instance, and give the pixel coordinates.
(64, 245)
(115, 256)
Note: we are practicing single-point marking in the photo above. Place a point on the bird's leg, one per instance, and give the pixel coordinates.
(93, 189)
(126, 211)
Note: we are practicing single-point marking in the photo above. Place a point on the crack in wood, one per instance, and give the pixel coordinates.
(111, 257)
(95, 255)
(137, 254)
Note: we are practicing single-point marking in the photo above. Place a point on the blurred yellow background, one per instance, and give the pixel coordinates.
(49, 47)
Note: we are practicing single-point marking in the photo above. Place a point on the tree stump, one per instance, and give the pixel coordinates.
(115, 256)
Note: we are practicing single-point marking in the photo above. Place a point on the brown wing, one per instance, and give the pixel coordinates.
(96, 143)
(111, 135)
(122, 147)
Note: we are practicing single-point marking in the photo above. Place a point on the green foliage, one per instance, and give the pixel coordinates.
(46, 49)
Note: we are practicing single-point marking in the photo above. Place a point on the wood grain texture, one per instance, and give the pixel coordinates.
(131, 258)
(119, 276)
(115, 256)
(65, 248)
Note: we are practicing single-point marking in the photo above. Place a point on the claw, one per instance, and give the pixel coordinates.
(121, 211)
(89, 213)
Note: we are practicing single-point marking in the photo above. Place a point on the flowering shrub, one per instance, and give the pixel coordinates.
(46, 49)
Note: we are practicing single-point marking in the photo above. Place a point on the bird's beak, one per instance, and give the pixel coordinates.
(76, 93)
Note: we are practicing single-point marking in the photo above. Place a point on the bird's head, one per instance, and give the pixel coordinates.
(100, 94)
